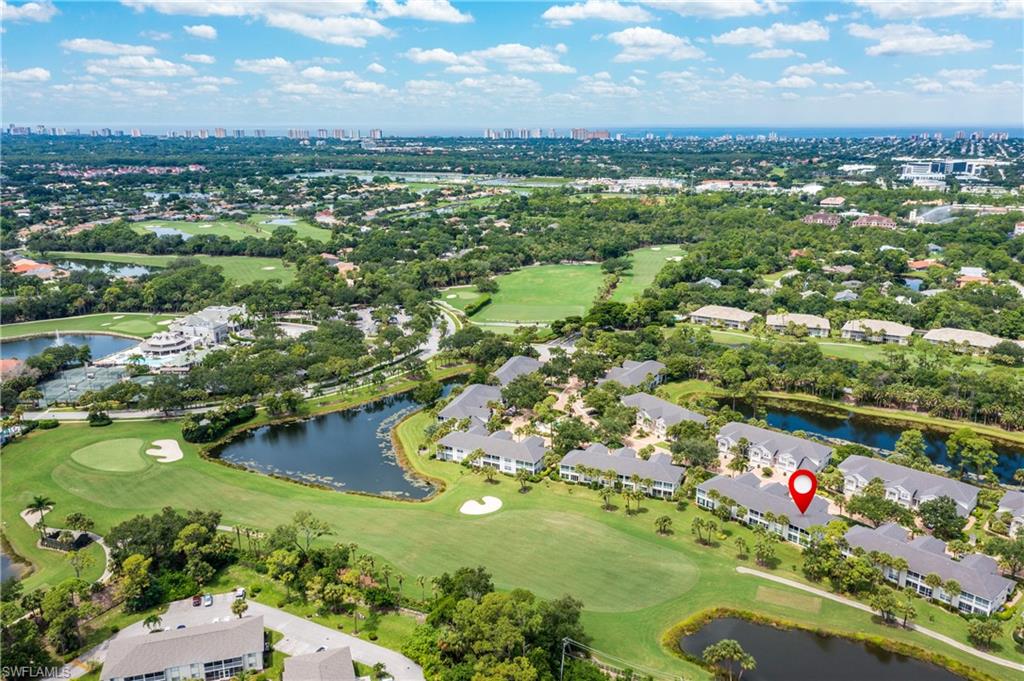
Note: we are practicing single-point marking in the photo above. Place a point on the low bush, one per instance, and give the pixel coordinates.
(477, 305)
(48, 424)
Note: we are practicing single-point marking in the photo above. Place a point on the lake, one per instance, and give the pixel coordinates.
(8, 568)
(785, 654)
(101, 345)
(168, 231)
(871, 433)
(347, 451)
(114, 269)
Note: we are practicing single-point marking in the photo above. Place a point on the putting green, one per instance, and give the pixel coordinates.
(120, 456)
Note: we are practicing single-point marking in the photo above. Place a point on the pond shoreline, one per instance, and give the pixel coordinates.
(671, 637)
(52, 334)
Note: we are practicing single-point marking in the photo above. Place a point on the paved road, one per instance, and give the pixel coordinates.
(300, 636)
(860, 606)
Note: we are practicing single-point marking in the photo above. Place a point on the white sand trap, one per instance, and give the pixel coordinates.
(167, 451)
(474, 507)
(268, 268)
(106, 324)
(119, 316)
(655, 248)
(166, 322)
(452, 295)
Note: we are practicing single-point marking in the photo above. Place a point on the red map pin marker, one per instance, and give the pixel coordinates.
(802, 486)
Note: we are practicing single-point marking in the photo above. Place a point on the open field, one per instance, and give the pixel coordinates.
(238, 268)
(138, 324)
(534, 294)
(545, 293)
(256, 226)
(555, 539)
(647, 262)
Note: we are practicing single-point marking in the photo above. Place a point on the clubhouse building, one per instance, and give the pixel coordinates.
(658, 415)
(982, 589)
(500, 450)
(906, 486)
(622, 467)
(209, 651)
(770, 448)
(767, 506)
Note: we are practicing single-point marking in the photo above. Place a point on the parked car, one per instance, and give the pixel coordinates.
(240, 593)
(180, 626)
(207, 600)
(197, 600)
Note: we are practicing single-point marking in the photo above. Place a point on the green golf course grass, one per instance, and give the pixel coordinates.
(255, 226)
(122, 455)
(548, 292)
(240, 269)
(138, 324)
(554, 539)
(647, 262)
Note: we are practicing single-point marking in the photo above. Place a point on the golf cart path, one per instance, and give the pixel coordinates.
(860, 606)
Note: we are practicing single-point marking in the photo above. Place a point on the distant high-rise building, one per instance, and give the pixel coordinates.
(508, 133)
(338, 133)
(204, 133)
(105, 132)
(136, 132)
(321, 133)
(238, 133)
(260, 132)
(220, 133)
(376, 134)
(960, 135)
(584, 134)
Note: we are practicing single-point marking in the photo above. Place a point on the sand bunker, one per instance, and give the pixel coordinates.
(166, 322)
(167, 451)
(118, 316)
(452, 295)
(474, 507)
(268, 268)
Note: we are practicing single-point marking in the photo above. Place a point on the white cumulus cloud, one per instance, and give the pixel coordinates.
(776, 53)
(199, 58)
(98, 46)
(139, 66)
(266, 65)
(795, 82)
(604, 10)
(28, 11)
(376, 68)
(805, 32)
(204, 31)
(929, 9)
(643, 43)
(719, 9)
(818, 68)
(35, 74)
(897, 39)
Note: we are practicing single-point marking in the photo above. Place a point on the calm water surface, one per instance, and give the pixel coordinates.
(869, 432)
(347, 451)
(794, 655)
(100, 345)
(8, 568)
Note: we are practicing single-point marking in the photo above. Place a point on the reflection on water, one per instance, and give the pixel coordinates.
(784, 654)
(99, 344)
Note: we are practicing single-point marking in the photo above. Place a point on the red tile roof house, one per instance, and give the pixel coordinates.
(875, 221)
(918, 265)
(829, 219)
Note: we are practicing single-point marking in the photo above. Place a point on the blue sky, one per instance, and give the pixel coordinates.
(431, 64)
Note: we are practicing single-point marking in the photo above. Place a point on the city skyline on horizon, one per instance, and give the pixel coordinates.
(419, 64)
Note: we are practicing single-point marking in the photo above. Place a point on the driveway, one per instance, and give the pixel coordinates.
(300, 636)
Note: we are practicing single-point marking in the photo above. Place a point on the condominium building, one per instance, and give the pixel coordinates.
(515, 367)
(829, 219)
(906, 486)
(624, 467)
(1013, 504)
(815, 325)
(877, 331)
(324, 665)
(658, 415)
(472, 403)
(633, 374)
(972, 341)
(774, 449)
(499, 449)
(721, 315)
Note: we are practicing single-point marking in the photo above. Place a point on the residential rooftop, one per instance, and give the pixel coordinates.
(657, 408)
(921, 484)
(516, 366)
(625, 462)
(747, 490)
(499, 444)
(633, 373)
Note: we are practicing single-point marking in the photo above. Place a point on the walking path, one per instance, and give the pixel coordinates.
(33, 517)
(860, 606)
(300, 636)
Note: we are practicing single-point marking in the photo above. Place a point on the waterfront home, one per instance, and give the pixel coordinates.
(621, 465)
(499, 450)
(325, 665)
(906, 486)
(472, 403)
(211, 325)
(774, 449)
(962, 339)
(658, 415)
(877, 331)
(982, 589)
(635, 374)
(815, 325)
(1013, 503)
(767, 506)
(972, 275)
(219, 650)
(721, 315)
(515, 367)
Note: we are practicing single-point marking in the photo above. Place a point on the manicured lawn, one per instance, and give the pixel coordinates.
(139, 324)
(121, 455)
(257, 225)
(238, 268)
(647, 262)
(554, 539)
(534, 294)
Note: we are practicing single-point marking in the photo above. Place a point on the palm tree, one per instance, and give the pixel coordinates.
(380, 671)
(523, 476)
(422, 581)
(606, 495)
(664, 524)
(152, 622)
(40, 505)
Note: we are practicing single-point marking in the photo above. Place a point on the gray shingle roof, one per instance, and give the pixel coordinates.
(515, 367)
(632, 373)
(656, 408)
(808, 454)
(1012, 503)
(133, 655)
(327, 665)
(976, 574)
(498, 444)
(472, 401)
(921, 484)
(625, 462)
(746, 490)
